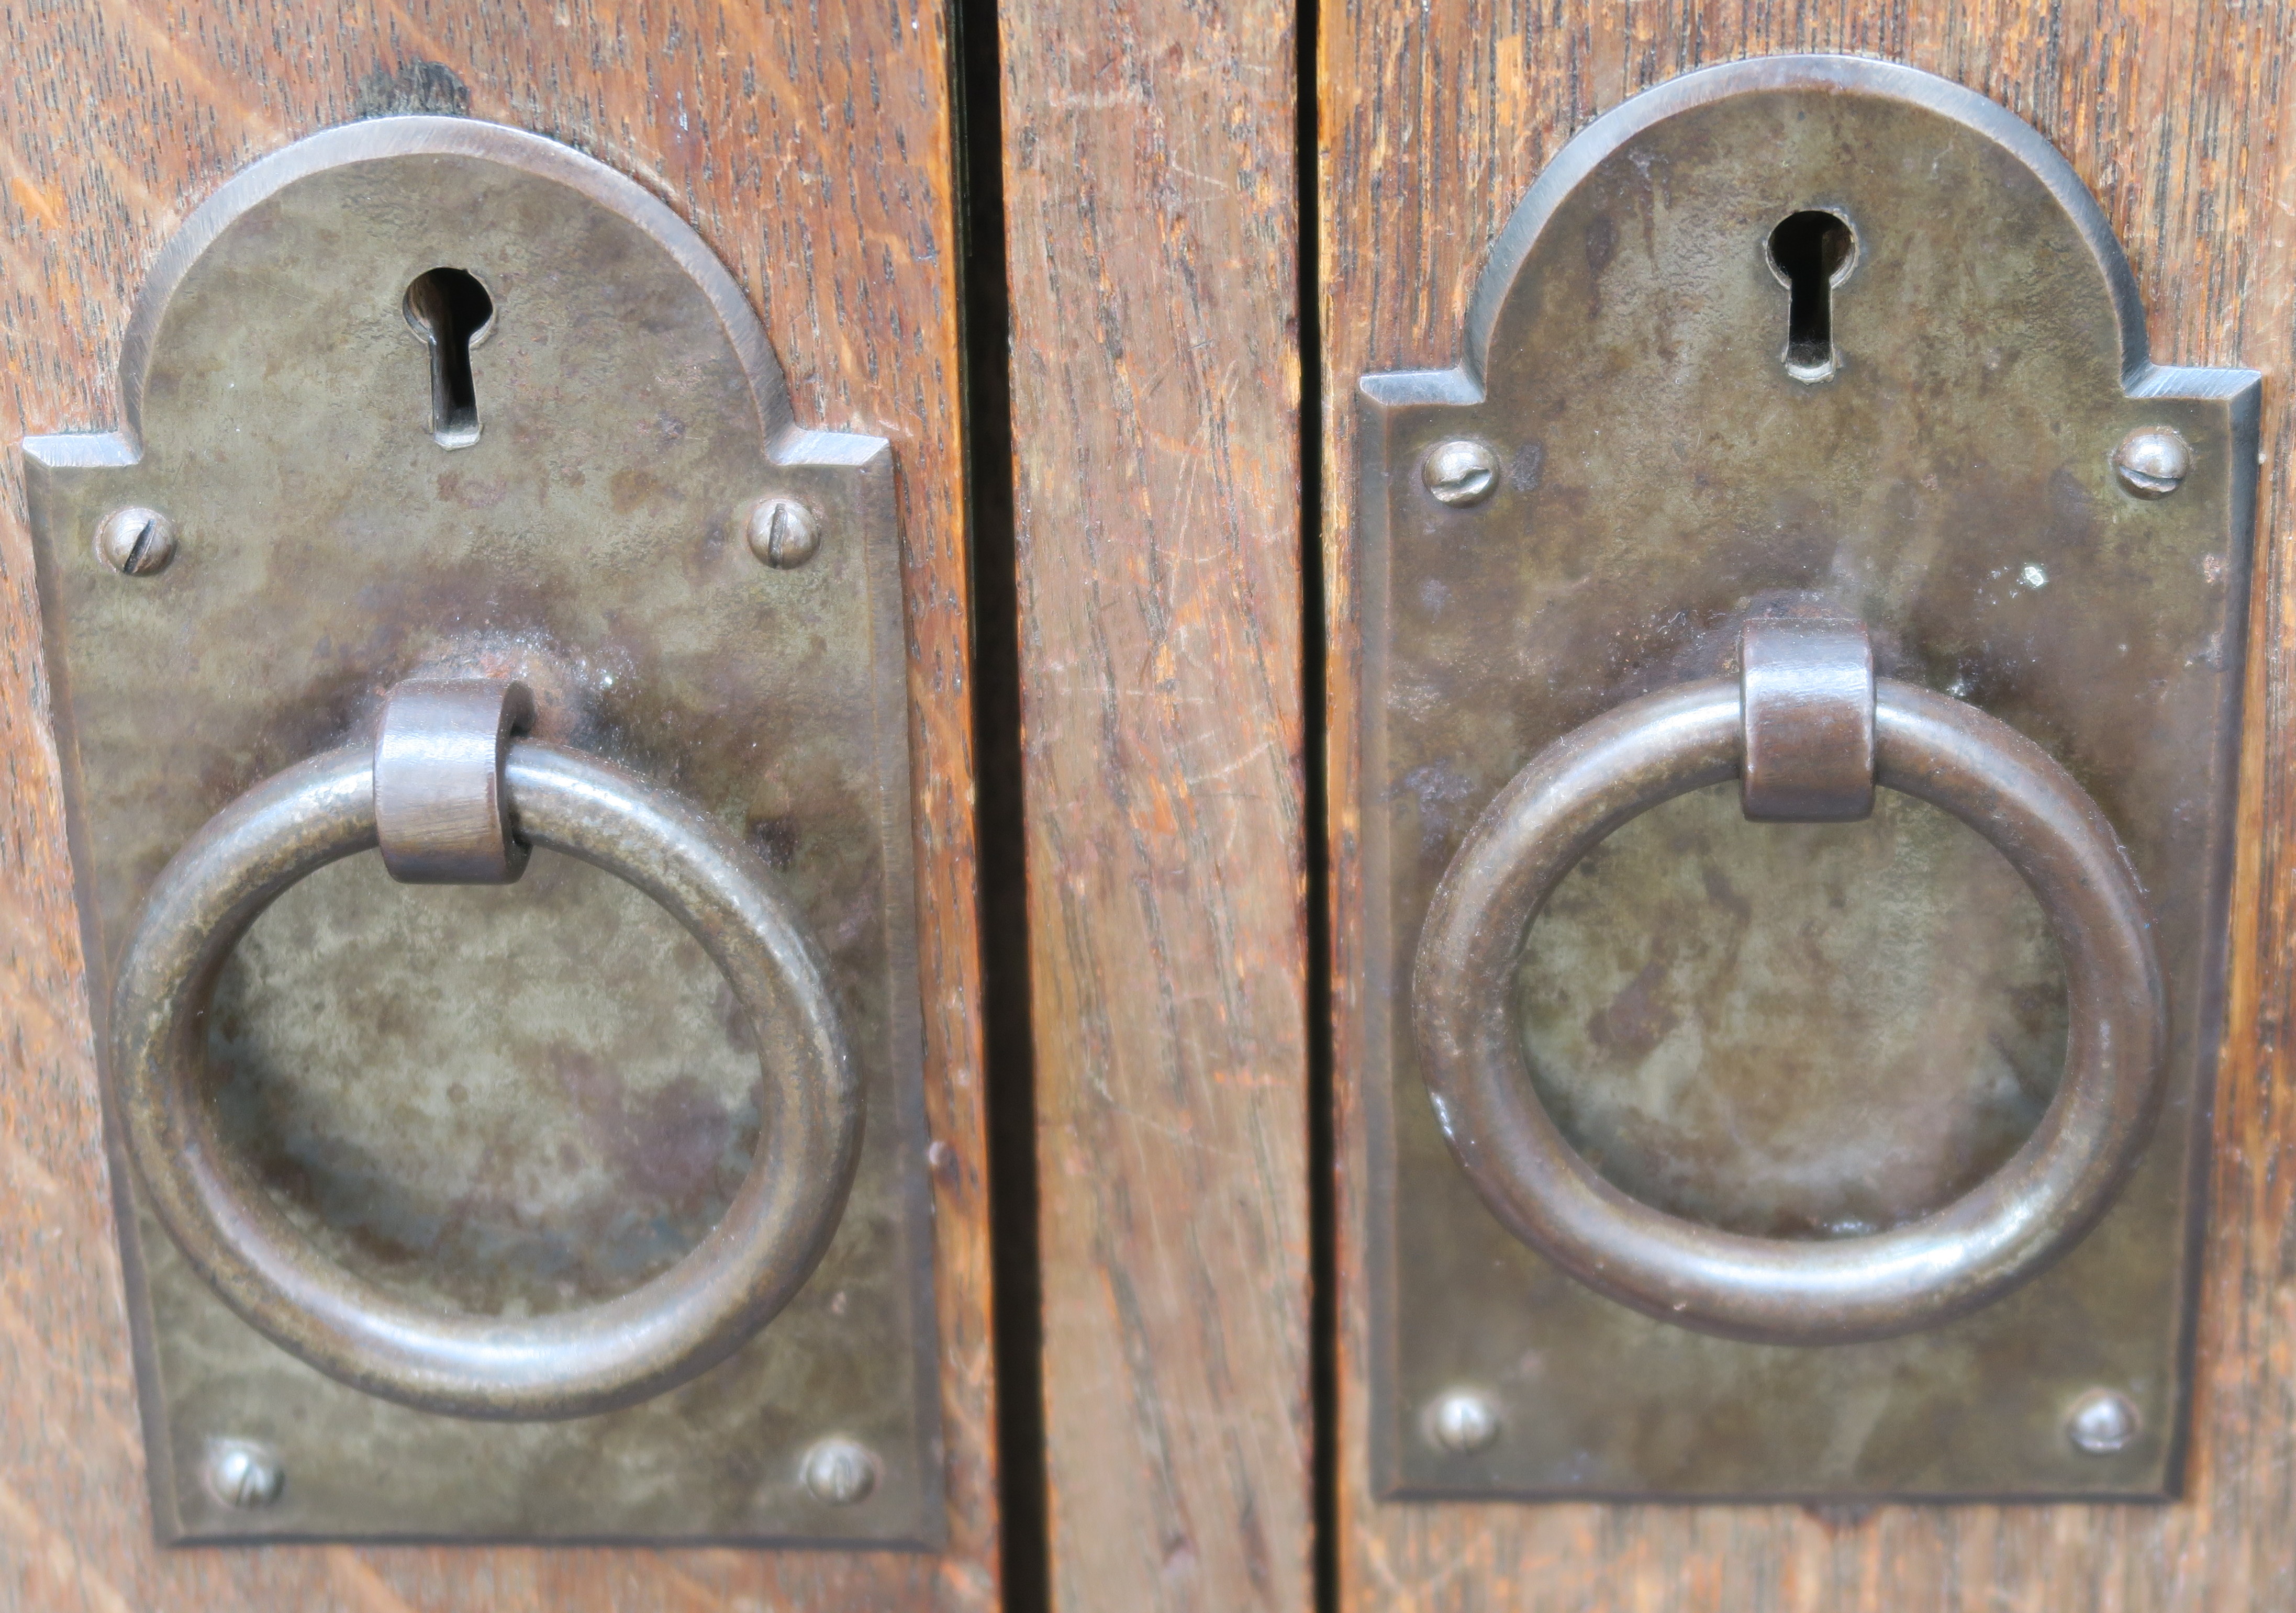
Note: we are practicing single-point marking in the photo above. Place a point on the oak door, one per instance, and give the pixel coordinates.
(814, 152)
(1154, 247)
(1433, 126)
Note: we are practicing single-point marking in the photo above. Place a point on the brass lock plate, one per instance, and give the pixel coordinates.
(433, 397)
(1816, 336)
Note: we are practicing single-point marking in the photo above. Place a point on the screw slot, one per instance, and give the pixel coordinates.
(783, 533)
(1459, 473)
(2152, 463)
(2103, 1422)
(451, 313)
(241, 1474)
(1462, 1421)
(135, 542)
(1811, 252)
(839, 1470)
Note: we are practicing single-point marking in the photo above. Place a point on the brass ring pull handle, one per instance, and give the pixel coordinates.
(1917, 1276)
(573, 1362)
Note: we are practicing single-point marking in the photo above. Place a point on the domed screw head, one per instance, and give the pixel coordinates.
(1462, 1421)
(241, 1474)
(783, 533)
(2102, 1423)
(2153, 463)
(839, 1470)
(135, 542)
(1459, 473)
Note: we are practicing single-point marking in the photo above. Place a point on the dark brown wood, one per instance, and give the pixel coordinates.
(2179, 116)
(811, 146)
(1152, 229)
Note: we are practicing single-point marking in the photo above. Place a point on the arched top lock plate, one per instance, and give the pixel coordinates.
(1826, 338)
(429, 396)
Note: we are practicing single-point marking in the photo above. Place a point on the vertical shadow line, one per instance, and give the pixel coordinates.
(1008, 1052)
(1323, 1308)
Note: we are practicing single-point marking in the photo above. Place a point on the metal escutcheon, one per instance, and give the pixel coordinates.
(414, 413)
(1938, 750)
(443, 774)
(1818, 1146)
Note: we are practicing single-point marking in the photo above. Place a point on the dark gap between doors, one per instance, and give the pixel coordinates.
(1009, 1049)
(1008, 1052)
(1322, 1303)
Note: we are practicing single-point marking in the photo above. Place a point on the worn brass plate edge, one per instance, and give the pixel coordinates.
(851, 478)
(1397, 413)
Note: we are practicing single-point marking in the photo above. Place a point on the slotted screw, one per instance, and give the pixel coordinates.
(783, 533)
(241, 1474)
(839, 1470)
(135, 542)
(2101, 1422)
(1463, 1421)
(2153, 463)
(1459, 473)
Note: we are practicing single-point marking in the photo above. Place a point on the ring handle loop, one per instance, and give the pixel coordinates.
(574, 1363)
(1944, 1265)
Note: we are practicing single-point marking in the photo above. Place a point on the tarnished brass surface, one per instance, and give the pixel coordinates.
(522, 1100)
(1795, 1030)
(1806, 698)
(439, 813)
(573, 1362)
(1872, 1284)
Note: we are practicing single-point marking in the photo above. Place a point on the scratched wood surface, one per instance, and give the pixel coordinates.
(811, 145)
(2182, 117)
(1151, 232)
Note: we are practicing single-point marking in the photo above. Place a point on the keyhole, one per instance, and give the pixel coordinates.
(1811, 252)
(451, 313)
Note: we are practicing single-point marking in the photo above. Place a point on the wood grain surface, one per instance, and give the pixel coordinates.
(811, 146)
(1151, 238)
(2182, 117)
